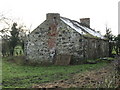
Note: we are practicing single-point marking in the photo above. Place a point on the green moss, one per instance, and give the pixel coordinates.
(91, 36)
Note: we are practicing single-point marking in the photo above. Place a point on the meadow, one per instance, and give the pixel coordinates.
(25, 76)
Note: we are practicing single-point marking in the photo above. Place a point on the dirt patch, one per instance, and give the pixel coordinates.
(106, 77)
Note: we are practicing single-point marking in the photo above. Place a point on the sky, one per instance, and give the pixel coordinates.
(32, 13)
(119, 18)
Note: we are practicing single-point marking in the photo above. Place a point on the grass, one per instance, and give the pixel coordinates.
(23, 76)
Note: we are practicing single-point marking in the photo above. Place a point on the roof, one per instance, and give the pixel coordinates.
(80, 28)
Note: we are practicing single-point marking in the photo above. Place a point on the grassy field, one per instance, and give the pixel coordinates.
(23, 76)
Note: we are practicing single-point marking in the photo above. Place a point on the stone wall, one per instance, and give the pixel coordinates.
(54, 38)
(96, 48)
(68, 42)
(36, 45)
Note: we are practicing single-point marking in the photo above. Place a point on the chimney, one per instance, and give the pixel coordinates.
(51, 16)
(85, 21)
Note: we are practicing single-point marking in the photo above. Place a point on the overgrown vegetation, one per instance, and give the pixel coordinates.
(12, 34)
(114, 43)
(23, 76)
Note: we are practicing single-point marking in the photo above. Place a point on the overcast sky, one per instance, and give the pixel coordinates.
(33, 12)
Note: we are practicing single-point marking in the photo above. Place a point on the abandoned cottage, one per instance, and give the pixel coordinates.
(62, 41)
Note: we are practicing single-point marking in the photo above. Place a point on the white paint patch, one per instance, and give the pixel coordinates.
(52, 52)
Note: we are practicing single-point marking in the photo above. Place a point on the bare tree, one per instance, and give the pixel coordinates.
(4, 33)
(5, 25)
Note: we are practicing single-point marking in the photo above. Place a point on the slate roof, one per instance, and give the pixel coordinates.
(80, 28)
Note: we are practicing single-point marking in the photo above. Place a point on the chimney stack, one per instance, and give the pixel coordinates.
(85, 21)
(51, 16)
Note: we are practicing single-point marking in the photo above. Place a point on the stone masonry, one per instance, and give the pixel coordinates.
(55, 38)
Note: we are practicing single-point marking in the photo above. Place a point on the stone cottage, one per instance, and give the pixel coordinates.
(61, 41)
